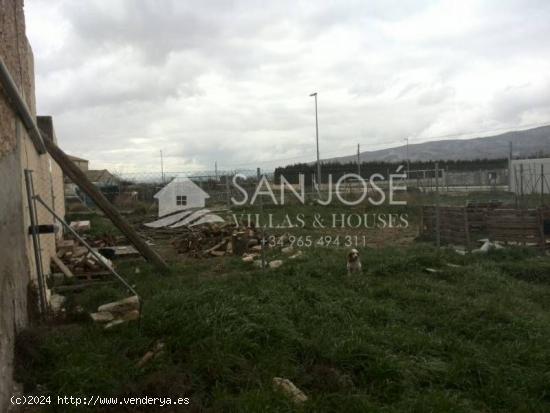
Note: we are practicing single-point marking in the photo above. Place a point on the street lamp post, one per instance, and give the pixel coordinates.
(317, 141)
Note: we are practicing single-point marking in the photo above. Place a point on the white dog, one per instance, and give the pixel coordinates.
(354, 263)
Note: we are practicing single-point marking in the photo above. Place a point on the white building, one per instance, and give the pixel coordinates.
(180, 194)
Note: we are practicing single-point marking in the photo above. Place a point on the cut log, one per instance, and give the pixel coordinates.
(80, 226)
(121, 306)
(287, 387)
(62, 267)
(102, 317)
(216, 247)
(217, 253)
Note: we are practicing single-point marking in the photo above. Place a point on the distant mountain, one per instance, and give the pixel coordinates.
(526, 143)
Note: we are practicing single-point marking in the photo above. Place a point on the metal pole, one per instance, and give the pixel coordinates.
(258, 173)
(162, 167)
(408, 159)
(317, 142)
(516, 186)
(437, 217)
(358, 160)
(510, 168)
(228, 190)
(36, 243)
(542, 184)
(521, 182)
(21, 108)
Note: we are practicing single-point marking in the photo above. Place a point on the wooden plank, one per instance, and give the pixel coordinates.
(62, 267)
(74, 288)
(541, 231)
(79, 178)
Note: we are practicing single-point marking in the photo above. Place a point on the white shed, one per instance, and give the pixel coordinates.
(180, 194)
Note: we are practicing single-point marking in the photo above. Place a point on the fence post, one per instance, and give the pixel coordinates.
(262, 241)
(437, 217)
(228, 190)
(37, 248)
(516, 186)
(542, 184)
(521, 184)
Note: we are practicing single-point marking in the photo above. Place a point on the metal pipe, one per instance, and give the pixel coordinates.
(36, 243)
(358, 160)
(21, 108)
(437, 212)
(317, 141)
(542, 184)
(262, 243)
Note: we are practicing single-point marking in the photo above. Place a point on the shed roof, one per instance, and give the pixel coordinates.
(185, 181)
(96, 175)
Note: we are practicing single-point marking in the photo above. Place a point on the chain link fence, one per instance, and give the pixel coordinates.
(136, 191)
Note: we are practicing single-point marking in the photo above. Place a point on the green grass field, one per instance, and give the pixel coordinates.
(473, 338)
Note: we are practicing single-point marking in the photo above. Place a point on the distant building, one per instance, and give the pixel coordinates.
(101, 177)
(80, 162)
(180, 194)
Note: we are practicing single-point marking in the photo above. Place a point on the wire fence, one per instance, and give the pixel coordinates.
(129, 191)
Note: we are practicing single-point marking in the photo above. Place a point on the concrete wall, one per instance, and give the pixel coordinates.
(485, 177)
(482, 179)
(17, 153)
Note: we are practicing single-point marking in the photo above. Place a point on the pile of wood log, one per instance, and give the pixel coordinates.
(210, 240)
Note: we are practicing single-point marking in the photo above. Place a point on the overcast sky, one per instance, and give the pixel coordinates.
(229, 81)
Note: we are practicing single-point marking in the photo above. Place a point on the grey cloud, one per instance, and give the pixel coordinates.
(512, 102)
(228, 81)
(436, 95)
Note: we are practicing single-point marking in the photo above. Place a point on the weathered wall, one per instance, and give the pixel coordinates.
(14, 265)
(17, 153)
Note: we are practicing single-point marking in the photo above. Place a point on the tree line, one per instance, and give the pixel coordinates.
(291, 172)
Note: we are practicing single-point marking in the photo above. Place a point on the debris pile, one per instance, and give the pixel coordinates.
(74, 260)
